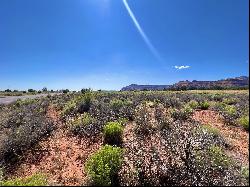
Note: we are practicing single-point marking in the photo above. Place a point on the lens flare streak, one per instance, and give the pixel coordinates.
(142, 33)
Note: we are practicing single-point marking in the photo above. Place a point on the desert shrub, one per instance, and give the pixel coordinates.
(230, 114)
(230, 101)
(113, 133)
(217, 97)
(69, 108)
(162, 117)
(219, 106)
(102, 167)
(85, 102)
(245, 172)
(76, 124)
(142, 120)
(193, 104)
(34, 180)
(23, 128)
(182, 114)
(117, 104)
(65, 91)
(230, 110)
(244, 122)
(31, 90)
(211, 130)
(218, 157)
(204, 105)
(21, 102)
(172, 159)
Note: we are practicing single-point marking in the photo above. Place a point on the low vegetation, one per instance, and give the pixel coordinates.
(128, 138)
(34, 180)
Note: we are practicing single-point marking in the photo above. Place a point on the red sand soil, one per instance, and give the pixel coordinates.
(237, 137)
(60, 157)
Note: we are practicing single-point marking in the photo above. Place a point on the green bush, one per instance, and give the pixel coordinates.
(34, 180)
(218, 157)
(117, 104)
(81, 121)
(68, 108)
(230, 110)
(182, 114)
(211, 130)
(85, 102)
(244, 122)
(245, 172)
(103, 166)
(193, 104)
(113, 133)
(204, 105)
(220, 106)
(65, 91)
(230, 101)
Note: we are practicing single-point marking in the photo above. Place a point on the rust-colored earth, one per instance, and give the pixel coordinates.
(61, 157)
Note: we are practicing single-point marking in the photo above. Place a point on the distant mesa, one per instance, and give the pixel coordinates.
(241, 82)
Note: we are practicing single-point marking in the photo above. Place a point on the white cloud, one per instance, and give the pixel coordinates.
(181, 67)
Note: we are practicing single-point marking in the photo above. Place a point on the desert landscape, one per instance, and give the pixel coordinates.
(124, 93)
(127, 138)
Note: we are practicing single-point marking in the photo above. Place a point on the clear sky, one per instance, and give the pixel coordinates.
(96, 43)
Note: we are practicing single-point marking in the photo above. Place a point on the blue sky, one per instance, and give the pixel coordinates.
(94, 43)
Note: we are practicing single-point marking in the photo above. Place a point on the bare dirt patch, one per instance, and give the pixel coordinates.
(61, 157)
(237, 137)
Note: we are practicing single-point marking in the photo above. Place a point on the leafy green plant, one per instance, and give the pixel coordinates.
(113, 133)
(103, 166)
(244, 122)
(34, 180)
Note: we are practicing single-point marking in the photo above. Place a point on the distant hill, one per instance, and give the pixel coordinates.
(230, 83)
